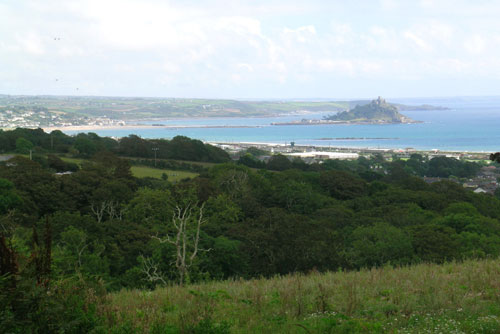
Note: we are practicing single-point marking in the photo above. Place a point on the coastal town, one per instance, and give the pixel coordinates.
(38, 117)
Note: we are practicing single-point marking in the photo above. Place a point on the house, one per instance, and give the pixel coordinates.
(480, 190)
(325, 155)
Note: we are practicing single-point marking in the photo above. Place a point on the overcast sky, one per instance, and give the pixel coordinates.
(250, 49)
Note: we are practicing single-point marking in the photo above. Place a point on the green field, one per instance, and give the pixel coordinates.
(199, 163)
(426, 298)
(173, 175)
(143, 171)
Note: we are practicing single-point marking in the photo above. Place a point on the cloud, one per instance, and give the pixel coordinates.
(418, 42)
(198, 48)
(31, 43)
(246, 67)
(475, 44)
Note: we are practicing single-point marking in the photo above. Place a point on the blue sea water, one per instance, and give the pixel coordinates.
(471, 124)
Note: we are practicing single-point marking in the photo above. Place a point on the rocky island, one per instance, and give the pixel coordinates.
(378, 111)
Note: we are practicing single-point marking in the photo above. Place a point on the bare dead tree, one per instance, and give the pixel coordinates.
(99, 209)
(187, 221)
(149, 267)
(114, 210)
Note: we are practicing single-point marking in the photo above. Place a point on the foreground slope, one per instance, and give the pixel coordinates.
(449, 298)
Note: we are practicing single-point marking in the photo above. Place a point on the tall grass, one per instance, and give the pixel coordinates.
(427, 298)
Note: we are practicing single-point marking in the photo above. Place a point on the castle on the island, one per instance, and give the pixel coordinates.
(379, 101)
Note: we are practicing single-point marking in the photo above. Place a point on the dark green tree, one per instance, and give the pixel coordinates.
(279, 162)
(23, 145)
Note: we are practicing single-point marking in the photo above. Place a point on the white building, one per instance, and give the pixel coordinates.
(325, 155)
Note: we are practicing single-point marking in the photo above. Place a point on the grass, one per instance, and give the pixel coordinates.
(200, 163)
(427, 298)
(173, 175)
(143, 171)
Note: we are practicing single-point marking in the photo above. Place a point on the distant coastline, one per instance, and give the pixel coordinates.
(327, 122)
(357, 138)
(141, 126)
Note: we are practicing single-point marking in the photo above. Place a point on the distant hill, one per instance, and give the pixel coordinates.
(57, 111)
(377, 111)
(405, 107)
(401, 107)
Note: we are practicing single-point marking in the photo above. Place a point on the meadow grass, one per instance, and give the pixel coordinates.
(426, 298)
(173, 175)
(144, 171)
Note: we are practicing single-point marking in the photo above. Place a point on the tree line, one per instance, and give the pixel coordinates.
(86, 145)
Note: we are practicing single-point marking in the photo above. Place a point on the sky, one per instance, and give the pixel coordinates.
(250, 49)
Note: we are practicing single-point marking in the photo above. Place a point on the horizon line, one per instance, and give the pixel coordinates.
(249, 99)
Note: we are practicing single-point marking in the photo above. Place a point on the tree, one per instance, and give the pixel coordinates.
(434, 243)
(150, 207)
(109, 199)
(8, 197)
(495, 157)
(134, 146)
(343, 185)
(256, 152)
(380, 244)
(278, 242)
(222, 213)
(251, 161)
(23, 146)
(39, 189)
(75, 242)
(59, 165)
(151, 270)
(279, 162)
(231, 179)
(84, 145)
(186, 220)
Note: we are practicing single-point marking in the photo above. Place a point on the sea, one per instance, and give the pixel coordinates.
(469, 124)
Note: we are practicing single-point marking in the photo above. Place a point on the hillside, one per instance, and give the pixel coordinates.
(449, 298)
(88, 216)
(36, 111)
(377, 111)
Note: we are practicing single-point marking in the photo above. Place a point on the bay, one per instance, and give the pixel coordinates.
(470, 124)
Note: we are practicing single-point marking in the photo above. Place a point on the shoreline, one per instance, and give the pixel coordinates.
(346, 148)
(141, 126)
(323, 122)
